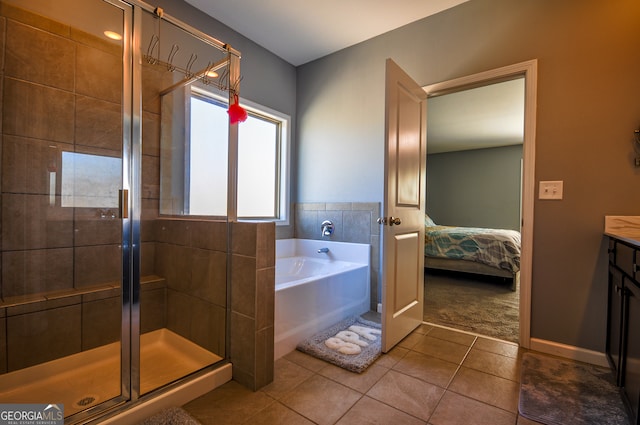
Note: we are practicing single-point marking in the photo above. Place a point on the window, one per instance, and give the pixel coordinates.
(262, 160)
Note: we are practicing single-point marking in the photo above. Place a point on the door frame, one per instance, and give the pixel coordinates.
(528, 69)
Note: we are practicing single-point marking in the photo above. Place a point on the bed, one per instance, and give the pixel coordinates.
(493, 252)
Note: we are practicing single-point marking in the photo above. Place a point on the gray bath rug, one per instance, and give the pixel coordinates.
(171, 416)
(563, 392)
(316, 346)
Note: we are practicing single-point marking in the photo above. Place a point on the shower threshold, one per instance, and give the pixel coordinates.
(85, 379)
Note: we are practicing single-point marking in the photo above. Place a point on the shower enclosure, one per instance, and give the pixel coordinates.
(104, 300)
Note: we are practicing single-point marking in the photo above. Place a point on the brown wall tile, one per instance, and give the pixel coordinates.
(151, 134)
(153, 308)
(150, 177)
(26, 164)
(36, 111)
(101, 322)
(243, 346)
(29, 18)
(209, 276)
(40, 57)
(36, 271)
(39, 337)
(98, 74)
(243, 285)
(147, 258)
(264, 357)
(266, 245)
(244, 238)
(98, 123)
(265, 297)
(29, 222)
(97, 226)
(94, 265)
(209, 235)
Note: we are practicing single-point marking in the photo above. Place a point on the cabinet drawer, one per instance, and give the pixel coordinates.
(626, 258)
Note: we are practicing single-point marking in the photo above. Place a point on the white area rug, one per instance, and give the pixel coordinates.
(368, 344)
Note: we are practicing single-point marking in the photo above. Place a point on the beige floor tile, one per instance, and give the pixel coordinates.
(427, 368)
(360, 382)
(495, 364)
(442, 349)
(368, 411)
(410, 340)
(403, 392)
(423, 329)
(453, 336)
(498, 347)
(229, 404)
(321, 400)
(490, 389)
(389, 359)
(455, 409)
(277, 414)
(305, 360)
(287, 375)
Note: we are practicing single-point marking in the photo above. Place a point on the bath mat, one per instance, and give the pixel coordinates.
(171, 416)
(353, 349)
(563, 392)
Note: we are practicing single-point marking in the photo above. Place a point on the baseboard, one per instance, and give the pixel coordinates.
(569, 352)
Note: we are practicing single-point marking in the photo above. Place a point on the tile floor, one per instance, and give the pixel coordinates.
(435, 376)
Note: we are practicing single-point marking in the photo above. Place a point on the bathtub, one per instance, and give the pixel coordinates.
(316, 290)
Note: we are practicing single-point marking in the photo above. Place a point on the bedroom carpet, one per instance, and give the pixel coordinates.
(481, 304)
(556, 391)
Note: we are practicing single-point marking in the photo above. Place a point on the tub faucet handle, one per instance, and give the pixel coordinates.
(327, 228)
(323, 250)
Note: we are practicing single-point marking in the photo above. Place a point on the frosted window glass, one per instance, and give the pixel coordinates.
(257, 168)
(208, 159)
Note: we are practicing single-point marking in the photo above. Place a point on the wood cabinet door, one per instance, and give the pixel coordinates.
(631, 367)
(614, 321)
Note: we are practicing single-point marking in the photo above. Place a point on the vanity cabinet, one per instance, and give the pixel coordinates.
(623, 321)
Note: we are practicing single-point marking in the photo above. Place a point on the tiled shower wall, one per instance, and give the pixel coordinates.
(353, 221)
(61, 266)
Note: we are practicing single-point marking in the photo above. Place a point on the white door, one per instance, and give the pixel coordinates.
(402, 221)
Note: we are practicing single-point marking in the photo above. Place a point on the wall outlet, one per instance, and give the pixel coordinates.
(379, 308)
(550, 190)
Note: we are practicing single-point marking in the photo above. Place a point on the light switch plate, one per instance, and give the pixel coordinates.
(550, 190)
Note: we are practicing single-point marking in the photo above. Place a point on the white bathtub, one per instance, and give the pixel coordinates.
(316, 290)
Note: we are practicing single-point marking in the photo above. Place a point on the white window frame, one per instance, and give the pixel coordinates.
(282, 215)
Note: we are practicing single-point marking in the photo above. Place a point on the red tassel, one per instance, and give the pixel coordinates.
(236, 112)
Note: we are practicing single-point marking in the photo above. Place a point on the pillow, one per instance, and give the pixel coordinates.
(428, 221)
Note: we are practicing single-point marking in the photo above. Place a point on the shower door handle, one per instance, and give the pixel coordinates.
(124, 203)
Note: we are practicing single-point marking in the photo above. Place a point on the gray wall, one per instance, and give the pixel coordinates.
(588, 106)
(475, 188)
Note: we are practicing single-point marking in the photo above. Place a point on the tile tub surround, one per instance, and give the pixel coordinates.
(253, 275)
(353, 221)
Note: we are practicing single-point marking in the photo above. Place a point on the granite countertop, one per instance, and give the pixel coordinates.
(623, 227)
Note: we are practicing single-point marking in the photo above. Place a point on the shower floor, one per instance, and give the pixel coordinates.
(85, 379)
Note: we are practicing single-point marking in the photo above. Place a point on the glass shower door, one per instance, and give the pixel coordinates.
(65, 118)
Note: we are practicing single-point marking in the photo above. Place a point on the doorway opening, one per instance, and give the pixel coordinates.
(500, 142)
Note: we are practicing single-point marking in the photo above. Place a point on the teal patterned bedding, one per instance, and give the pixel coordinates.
(494, 247)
